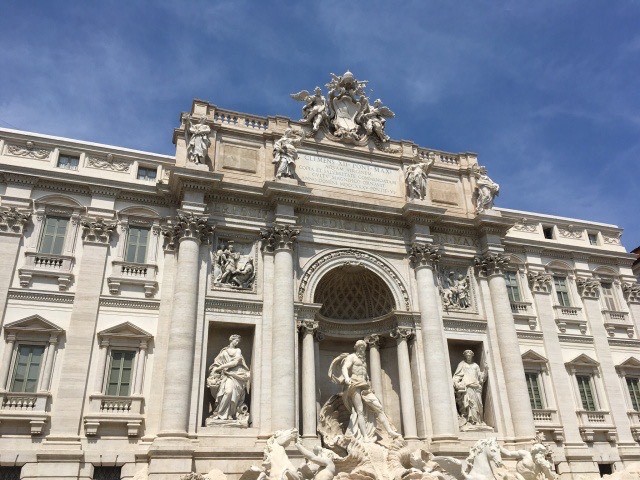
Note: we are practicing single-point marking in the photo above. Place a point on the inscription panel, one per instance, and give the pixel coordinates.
(444, 192)
(333, 172)
(240, 158)
(350, 225)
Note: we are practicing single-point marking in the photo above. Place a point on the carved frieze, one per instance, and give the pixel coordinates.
(186, 225)
(456, 240)
(611, 239)
(539, 282)
(279, 237)
(424, 254)
(109, 163)
(97, 230)
(454, 285)
(29, 150)
(234, 265)
(570, 232)
(491, 264)
(588, 287)
(13, 221)
(524, 226)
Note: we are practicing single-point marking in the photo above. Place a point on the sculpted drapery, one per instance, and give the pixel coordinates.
(228, 380)
(468, 380)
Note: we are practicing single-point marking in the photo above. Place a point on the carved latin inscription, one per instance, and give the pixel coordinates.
(240, 158)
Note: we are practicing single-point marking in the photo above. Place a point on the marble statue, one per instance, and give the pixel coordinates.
(275, 462)
(350, 371)
(322, 457)
(479, 465)
(232, 269)
(374, 118)
(468, 381)
(415, 178)
(285, 153)
(228, 382)
(314, 111)
(486, 190)
(456, 291)
(199, 142)
(533, 464)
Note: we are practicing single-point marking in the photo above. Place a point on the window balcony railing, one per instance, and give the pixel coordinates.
(634, 419)
(569, 316)
(29, 408)
(593, 422)
(615, 320)
(524, 311)
(110, 409)
(546, 419)
(46, 265)
(128, 273)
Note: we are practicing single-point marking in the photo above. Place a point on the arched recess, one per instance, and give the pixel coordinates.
(140, 212)
(59, 200)
(604, 271)
(327, 261)
(558, 265)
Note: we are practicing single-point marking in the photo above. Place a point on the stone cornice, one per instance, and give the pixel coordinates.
(569, 251)
(287, 192)
(237, 306)
(31, 296)
(422, 214)
(130, 303)
(493, 224)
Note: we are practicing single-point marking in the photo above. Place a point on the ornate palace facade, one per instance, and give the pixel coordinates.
(163, 315)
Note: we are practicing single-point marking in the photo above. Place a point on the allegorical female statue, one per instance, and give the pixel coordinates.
(199, 142)
(468, 380)
(285, 153)
(228, 382)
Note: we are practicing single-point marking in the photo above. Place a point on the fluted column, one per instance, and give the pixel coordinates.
(308, 329)
(407, 404)
(280, 239)
(491, 265)
(375, 365)
(45, 379)
(186, 232)
(444, 423)
(6, 361)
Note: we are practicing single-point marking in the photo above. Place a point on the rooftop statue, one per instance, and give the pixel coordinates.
(486, 190)
(285, 153)
(198, 142)
(415, 177)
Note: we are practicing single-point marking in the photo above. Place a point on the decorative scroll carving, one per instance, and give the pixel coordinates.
(97, 230)
(486, 190)
(279, 237)
(588, 287)
(524, 226)
(570, 232)
(13, 220)
(424, 254)
(186, 225)
(29, 151)
(491, 264)
(109, 163)
(631, 292)
(539, 282)
(611, 240)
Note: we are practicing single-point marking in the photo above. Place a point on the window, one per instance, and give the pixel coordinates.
(68, 162)
(533, 386)
(52, 240)
(147, 173)
(137, 245)
(634, 390)
(26, 370)
(605, 469)
(586, 392)
(119, 382)
(608, 296)
(10, 473)
(593, 238)
(107, 473)
(548, 232)
(513, 288)
(562, 291)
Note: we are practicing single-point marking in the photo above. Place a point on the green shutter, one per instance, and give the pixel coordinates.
(137, 245)
(27, 368)
(513, 290)
(119, 382)
(562, 292)
(534, 391)
(586, 393)
(52, 241)
(634, 390)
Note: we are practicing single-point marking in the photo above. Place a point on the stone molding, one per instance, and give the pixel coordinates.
(243, 307)
(13, 221)
(129, 303)
(48, 297)
(279, 237)
(97, 231)
(539, 282)
(491, 264)
(186, 225)
(424, 255)
(588, 287)
(468, 326)
(631, 292)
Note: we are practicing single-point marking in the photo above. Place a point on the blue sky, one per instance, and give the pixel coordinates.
(547, 93)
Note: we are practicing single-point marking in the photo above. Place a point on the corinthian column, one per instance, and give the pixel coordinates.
(186, 232)
(375, 365)
(407, 405)
(491, 265)
(423, 258)
(280, 239)
(308, 329)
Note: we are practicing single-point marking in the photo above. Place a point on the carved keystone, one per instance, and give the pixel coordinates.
(424, 254)
(279, 237)
(491, 264)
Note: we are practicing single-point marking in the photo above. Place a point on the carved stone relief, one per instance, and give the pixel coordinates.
(29, 150)
(234, 265)
(454, 284)
(109, 163)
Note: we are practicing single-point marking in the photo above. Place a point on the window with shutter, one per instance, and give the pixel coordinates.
(513, 288)
(120, 368)
(534, 390)
(634, 390)
(137, 245)
(608, 296)
(26, 370)
(586, 392)
(562, 291)
(53, 235)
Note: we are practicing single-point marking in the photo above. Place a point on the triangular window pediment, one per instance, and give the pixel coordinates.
(583, 361)
(33, 324)
(631, 364)
(533, 357)
(124, 330)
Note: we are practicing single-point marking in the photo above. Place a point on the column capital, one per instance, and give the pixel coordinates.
(97, 230)
(539, 282)
(13, 221)
(424, 255)
(631, 292)
(279, 236)
(308, 326)
(491, 264)
(588, 287)
(402, 333)
(186, 225)
(373, 340)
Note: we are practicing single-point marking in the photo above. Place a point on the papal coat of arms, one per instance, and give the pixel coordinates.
(347, 115)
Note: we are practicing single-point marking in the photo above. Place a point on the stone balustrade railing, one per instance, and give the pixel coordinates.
(142, 274)
(111, 409)
(593, 422)
(25, 407)
(235, 119)
(44, 265)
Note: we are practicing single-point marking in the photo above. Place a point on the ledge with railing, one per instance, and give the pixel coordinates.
(547, 419)
(615, 320)
(25, 407)
(569, 316)
(111, 409)
(524, 311)
(634, 420)
(47, 265)
(129, 273)
(592, 422)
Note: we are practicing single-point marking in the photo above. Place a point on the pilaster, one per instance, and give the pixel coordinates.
(409, 427)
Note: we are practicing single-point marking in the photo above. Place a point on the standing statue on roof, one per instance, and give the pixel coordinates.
(285, 153)
(199, 142)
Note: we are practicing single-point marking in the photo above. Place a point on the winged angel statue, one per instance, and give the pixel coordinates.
(347, 115)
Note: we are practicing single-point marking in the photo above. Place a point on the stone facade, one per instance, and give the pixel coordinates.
(127, 277)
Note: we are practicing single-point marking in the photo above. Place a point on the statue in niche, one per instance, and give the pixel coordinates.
(232, 269)
(199, 142)
(455, 291)
(285, 153)
(468, 381)
(314, 111)
(486, 190)
(350, 371)
(416, 178)
(533, 464)
(228, 382)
